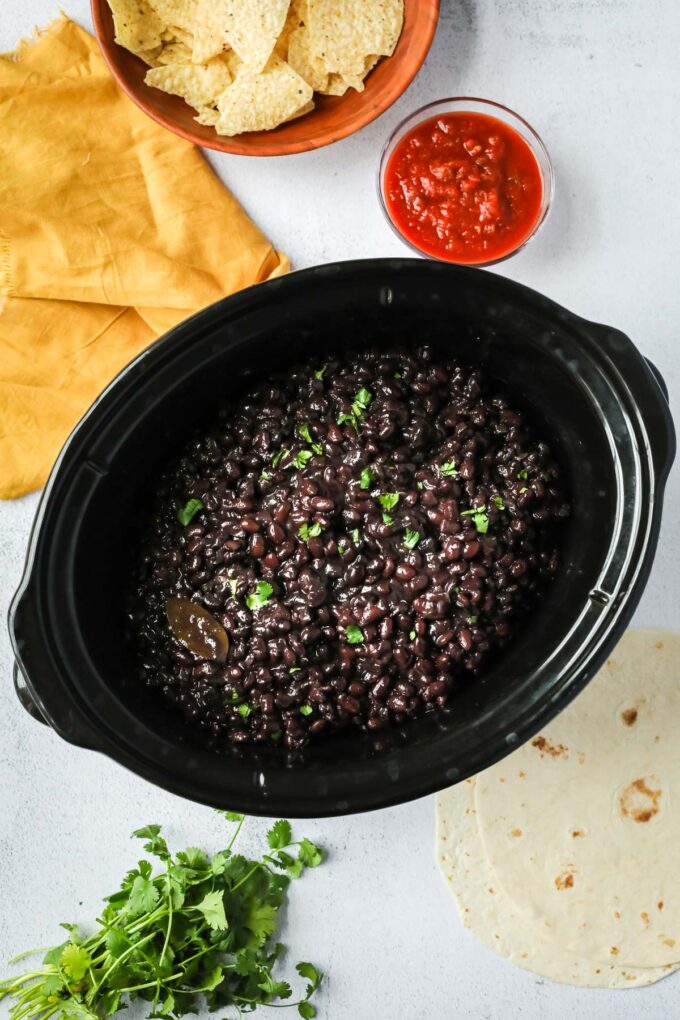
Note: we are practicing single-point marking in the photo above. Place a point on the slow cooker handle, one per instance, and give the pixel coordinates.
(659, 378)
(68, 728)
(25, 697)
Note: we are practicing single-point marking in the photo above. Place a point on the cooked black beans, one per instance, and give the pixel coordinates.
(372, 530)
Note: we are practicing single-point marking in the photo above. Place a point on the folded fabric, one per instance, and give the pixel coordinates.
(112, 230)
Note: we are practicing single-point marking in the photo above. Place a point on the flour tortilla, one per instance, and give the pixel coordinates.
(490, 915)
(582, 824)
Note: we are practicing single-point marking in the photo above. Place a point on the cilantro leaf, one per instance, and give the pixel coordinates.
(367, 478)
(523, 473)
(278, 457)
(75, 961)
(306, 709)
(156, 845)
(260, 597)
(233, 586)
(143, 897)
(244, 710)
(387, 519)
(355, 536)
(301, 459)
(307, 531)
(480, 518)
(319, 374)
(448, 469)
(412, 635)
(280, 835)
(354, 634)
(189, 511)
(362, 399)
(261, 921)
(388, 500)
(52, 985)
(498, 500)
(411, 539)
(523, 490)
(264, 476)
(309, 854)
(306, 1010)
(305, 433)
(212, 908)
(309, 971)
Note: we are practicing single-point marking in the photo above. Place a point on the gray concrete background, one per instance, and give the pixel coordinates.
(600, 80)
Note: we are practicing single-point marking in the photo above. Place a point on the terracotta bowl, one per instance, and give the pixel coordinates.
(333, 117)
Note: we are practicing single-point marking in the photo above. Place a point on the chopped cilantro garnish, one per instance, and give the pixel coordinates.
(306, 709)
(480, 518)
(411, 539)
(233, 585)
(235, 697)
(308, 531)
(397, 375)
(276, 460)
(472, 620)
(388, 500)
(362, 400)
(265, 476)
(244, 711)
(412, 635)
(320, 373)
(301, 458)
(359, 405)
(355, 536)
(387, 519)
(498, 500)
(420, 485)
(317, 448)
(448, 469)
(523, 474)
(342, 549)
(354, 634)
(523, 490)
(367, 476)
(189, 511)
(294, 669)
(260, 597)
(305, 433)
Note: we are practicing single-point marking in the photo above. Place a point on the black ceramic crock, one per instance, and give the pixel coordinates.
(602, 405)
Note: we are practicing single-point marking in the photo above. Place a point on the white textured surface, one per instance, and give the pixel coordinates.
(599, 79)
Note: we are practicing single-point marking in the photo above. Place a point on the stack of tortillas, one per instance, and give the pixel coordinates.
(565, 856)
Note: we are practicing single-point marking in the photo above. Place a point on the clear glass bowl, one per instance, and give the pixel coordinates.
(468, 104)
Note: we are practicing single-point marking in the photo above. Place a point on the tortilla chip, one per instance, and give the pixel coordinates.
(173, 53)
(174, 33)
(150, 57)
(261, 101)
(176, 12)
(137, 27)
(253, 28)
(302, 60)
(198, 84)
(303, 111)
(343, 35)
(210, 30)
(294, 20)
(207, 116)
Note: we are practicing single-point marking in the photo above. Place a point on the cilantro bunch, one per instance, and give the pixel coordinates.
(198, 931)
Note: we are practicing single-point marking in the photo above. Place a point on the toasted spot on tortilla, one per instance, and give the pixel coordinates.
(544, 747)
(639, 802)
(669, 942)
(578, 834)
(565, 880)
(521, 774)
(515, 833)
(629, 716)
(614, 951)
(660, 905)
(645, 917)
(617, 915)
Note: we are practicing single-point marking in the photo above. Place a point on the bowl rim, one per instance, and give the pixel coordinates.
(491, 108)
(84, 723)
(232, 145)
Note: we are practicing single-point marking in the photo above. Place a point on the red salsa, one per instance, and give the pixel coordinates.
(464, 187)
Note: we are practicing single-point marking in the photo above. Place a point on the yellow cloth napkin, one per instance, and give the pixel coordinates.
(112, 230)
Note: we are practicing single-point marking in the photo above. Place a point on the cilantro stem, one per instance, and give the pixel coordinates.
(234, 837)
(118, 961)
(150, 984)
(29, 952)
(245, 878)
